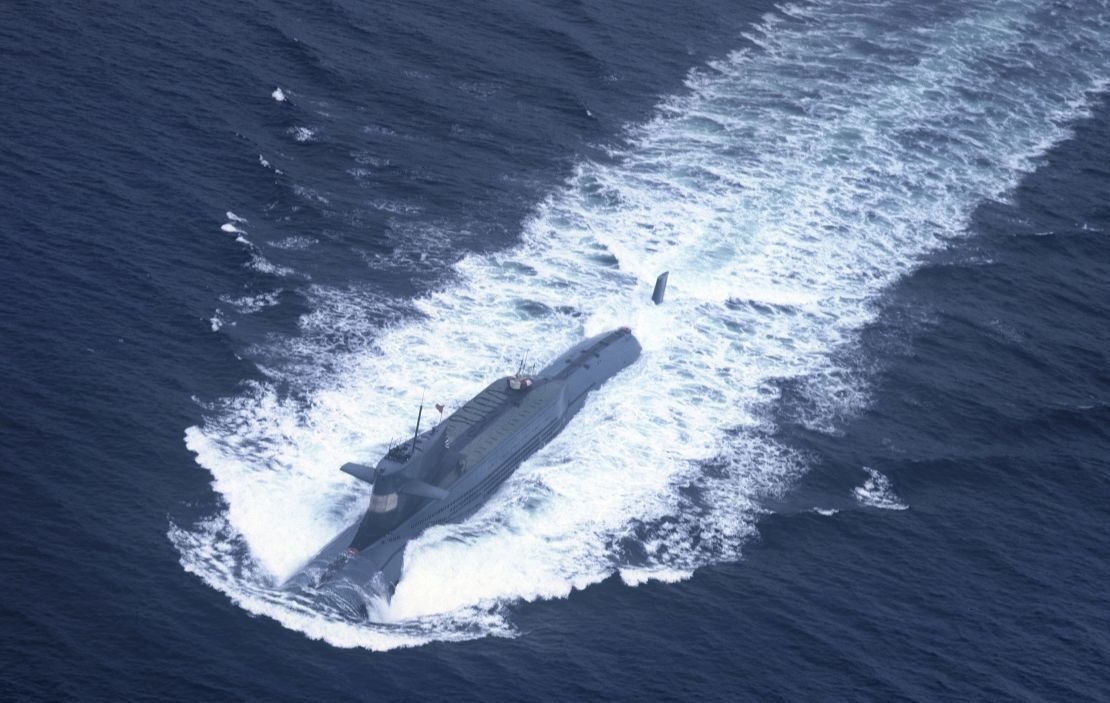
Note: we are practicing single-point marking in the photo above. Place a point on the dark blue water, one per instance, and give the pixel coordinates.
(888, 225)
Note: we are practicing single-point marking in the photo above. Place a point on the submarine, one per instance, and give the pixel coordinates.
(447, 473)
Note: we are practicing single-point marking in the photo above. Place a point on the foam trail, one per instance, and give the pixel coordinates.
(785, 190)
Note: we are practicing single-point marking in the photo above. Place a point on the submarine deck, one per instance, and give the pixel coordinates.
(497, 412)
(493, 415)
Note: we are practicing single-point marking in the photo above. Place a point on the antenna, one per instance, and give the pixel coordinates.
(416, 434)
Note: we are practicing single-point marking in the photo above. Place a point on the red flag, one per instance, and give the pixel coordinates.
(439, 407)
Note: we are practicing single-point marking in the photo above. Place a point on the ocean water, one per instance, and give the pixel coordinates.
(865, 455)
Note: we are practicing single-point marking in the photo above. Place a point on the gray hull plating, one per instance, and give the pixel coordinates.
(445, 474)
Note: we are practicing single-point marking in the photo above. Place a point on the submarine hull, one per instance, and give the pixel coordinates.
(465, 459)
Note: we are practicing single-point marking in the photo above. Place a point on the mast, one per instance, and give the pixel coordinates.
(416, 434)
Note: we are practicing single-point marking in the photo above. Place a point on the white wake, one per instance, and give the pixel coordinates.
(784, 190)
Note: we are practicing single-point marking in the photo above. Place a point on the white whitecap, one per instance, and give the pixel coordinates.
(303, 134)
(247, 304)
(877, 492)
(295, 242)
(263, 265)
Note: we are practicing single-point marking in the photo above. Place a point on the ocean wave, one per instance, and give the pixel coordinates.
(877, 492)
